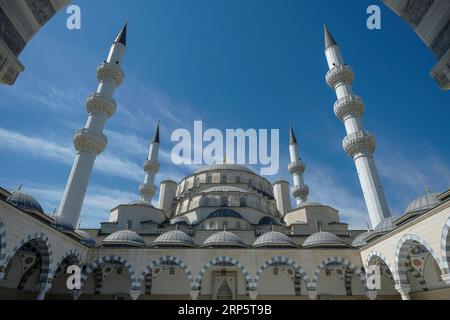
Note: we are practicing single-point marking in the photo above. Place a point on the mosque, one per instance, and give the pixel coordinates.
(225, 232)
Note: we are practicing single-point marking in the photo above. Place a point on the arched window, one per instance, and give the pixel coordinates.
(238, 179)
(250, 182)
(224, 201)
(319, 225)
(238, 225)
(223, 179)
(205, 202)
(243, 202)
(209, 179)
(197, 182)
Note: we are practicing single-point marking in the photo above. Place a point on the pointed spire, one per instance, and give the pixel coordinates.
(122, 37)
(156, 135)
(293, 139)
(329, 40)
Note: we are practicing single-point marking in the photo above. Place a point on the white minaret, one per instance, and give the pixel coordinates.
(151, 167)
(359, 144)
(299, 190)
(90, 141)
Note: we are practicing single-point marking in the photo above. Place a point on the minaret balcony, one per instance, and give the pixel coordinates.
(88, 140)
(349, 106)
(296, 167)
(110, 72)
(151, 166)
(300, 191)
(97, 103)
(361, 142)
(339, 75)
(147, 190)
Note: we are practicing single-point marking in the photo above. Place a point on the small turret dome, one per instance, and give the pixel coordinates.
(174, 238)
(324, 239)
(25, 202)
(423, 203)
(126, 238)
(274, 239)
(223, 239)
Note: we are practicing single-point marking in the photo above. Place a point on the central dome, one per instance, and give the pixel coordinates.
(225, 166)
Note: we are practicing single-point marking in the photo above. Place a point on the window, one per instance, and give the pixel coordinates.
(225, 224)
(197, 182)
(130, 224)
(238, 225)
(209, 179)
(319, 225)
(224, 201)
(238, 179)
(250, 183)
(172, 271)
(243, 202)
(223, 179)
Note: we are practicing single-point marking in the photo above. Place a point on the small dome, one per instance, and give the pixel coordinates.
(268, 221)
(223, 239)
(361, 239)
(179, 220)
(423, 203)
(24, 202)
(386, 225)
(224, 166)
(124, 238)
(324, 239)
(174, 238)
(86, 239)
(225, 213)
(274, 239)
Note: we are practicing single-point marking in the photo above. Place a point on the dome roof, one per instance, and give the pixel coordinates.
(274, 239)
(267, 221)
(324, 239)
(386, 225)
(223, 239)
(423, 203)
(86, 239)
(224, 166)
(225, 213)
(174, 238)
(361, 239)
(124, 238)
(224, 188)
(179, 220)
(24, 202)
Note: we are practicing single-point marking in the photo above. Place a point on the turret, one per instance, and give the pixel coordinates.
(296, 168)
(151, 168)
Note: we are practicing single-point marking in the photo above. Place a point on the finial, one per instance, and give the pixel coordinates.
(368, 226)
(272, 228)
(427, 190)
(176, 227)
(329, 40)
(156, 135)
(122, 37)
(19, 187)
(320, 227)
(127, 227)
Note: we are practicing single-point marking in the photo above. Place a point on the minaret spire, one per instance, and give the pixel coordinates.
(299, 190)
(90, 141)
(151, 168)
(359, 144)
(122, 36)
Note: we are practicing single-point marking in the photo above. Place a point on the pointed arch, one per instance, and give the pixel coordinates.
(445, 248)
(75, 257)
(402, 255)
(342, 261)
(281, 260)
(163, 261)
(135, 284)
(218, 261)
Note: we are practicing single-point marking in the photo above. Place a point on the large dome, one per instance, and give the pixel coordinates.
(423, 203)
(124, 238)
(224, 166)
(24, 202)
(223, 239)
(174, 238)
(274, 239)
(324, 239)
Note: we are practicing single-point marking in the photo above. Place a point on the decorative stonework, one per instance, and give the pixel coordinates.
(339, 75)
(296, 167)
(88, 140)
(151, 166)
(97, 103)
(361, 142)
(349, 106)
(300, 191)
(41, 9)
(109, 72)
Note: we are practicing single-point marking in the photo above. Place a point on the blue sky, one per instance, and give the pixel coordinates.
(233, 64)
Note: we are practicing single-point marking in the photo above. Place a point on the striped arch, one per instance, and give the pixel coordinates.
(2, 245)
(73, 254)
(374, 254)
(445, 248)
(280, 260)
(45, 250)
(402, 255)
(348, 281)
(135, 284)
(166, 261)
(344, 262)
(218, 261)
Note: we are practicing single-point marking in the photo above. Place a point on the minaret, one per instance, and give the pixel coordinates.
(151, 167)
(299, 190)
(359, 144)
(90, 141)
